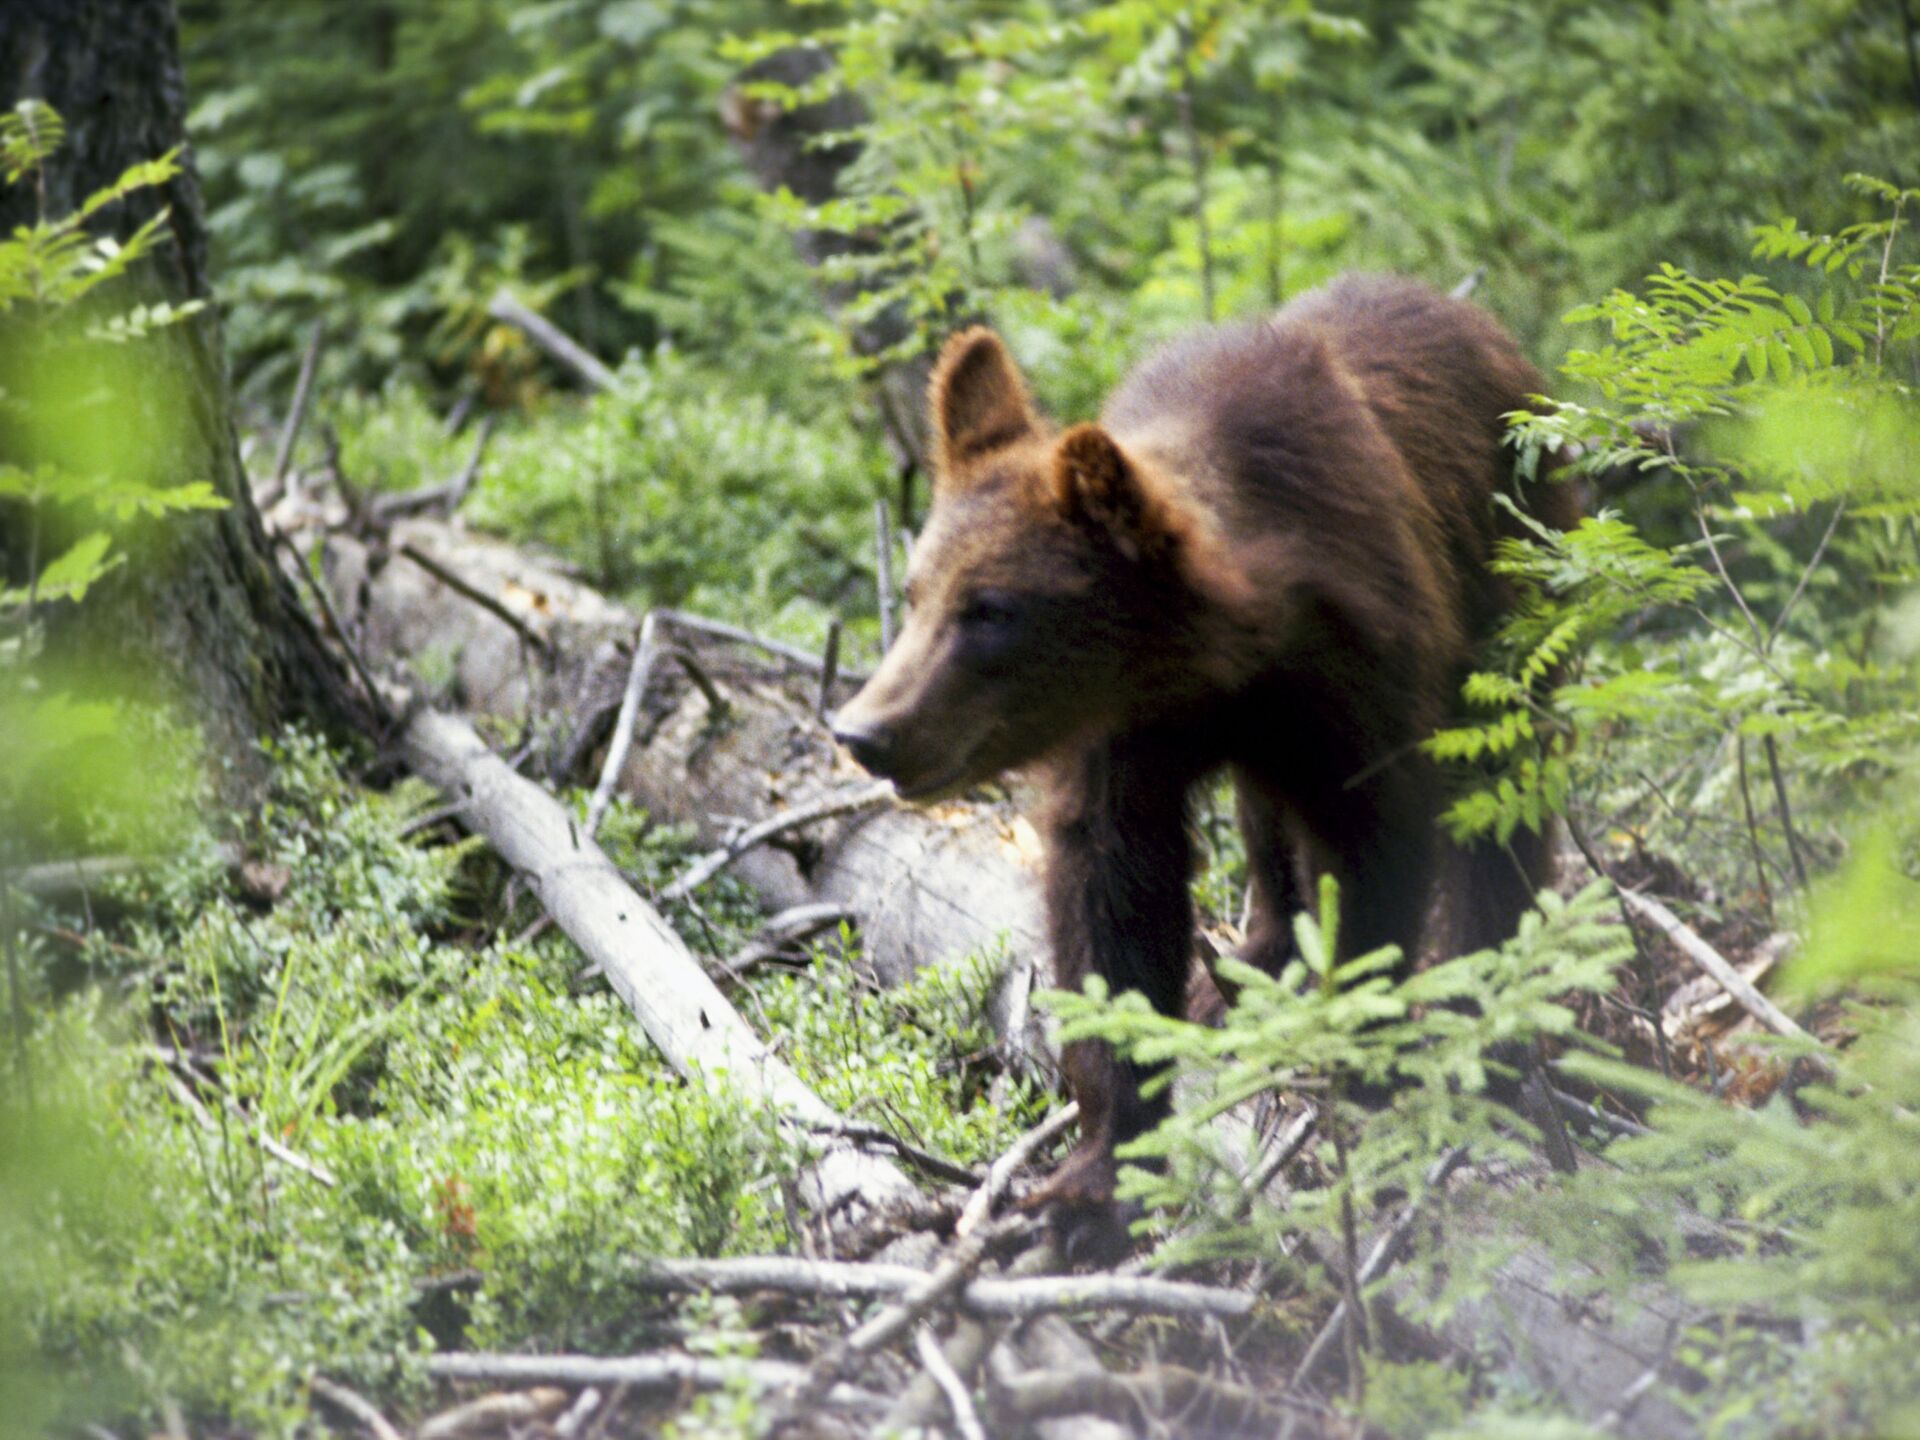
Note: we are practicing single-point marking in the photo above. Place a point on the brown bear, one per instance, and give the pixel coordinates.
(1269, 556)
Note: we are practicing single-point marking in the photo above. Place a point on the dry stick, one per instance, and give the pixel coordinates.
(798, 817)
(1015, 1299)
(568, 1425)
(1753, 825)
(966, 1419)
(1643, 961)
(1464, 290)
(1580, 1109)
(1786, 810)
(375, 697)
(450, 493)
(171, 1062)
(720, 630)
(468, 590)
(1714, 963)
(1159, 1392)
(716, 702)
(494, 1412)
(638, 673)
(1384, 1253)
(789, 927)
(883, 572)
(938, 1166)
(684, 1014)
(552, 339)
(1001, 1172)
(354, 1404)
(1288, 1145)
(1806, 575)
(638, 1372)
(297, 415)
(926, 1292)
(829, 668)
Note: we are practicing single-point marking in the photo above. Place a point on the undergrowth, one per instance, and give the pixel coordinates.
(503, 1143)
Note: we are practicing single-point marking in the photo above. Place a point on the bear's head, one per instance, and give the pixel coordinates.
(1060, 589)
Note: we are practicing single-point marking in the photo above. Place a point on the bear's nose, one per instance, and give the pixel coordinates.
(871, 745)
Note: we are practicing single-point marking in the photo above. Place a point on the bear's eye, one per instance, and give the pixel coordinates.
(990, 609)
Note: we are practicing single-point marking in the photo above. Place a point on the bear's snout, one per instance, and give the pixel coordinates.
(871, 745)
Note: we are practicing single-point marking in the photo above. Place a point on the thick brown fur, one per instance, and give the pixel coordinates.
(1269, 556)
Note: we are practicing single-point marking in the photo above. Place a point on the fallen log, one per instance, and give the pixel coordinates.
(683, 1012)
(928, 885)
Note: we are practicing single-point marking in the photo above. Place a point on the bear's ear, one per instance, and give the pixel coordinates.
(978, 400)
(1099, 486)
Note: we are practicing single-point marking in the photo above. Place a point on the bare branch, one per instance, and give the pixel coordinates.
(354, 1404)
(552, 339)
(448, 493)
(479, 597)
(638, 1372)
(966, 1419)
(1002, 1171)
(296, 416)
(1380, 1259)
(1714, 963)
(494, 1412)
(645, 648)
(1010, 1299)
(798, 817)
(883, 572)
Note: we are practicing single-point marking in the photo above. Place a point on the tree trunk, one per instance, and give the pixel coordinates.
(202, 609)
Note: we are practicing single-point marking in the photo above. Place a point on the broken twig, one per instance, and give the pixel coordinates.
(354, 1404)
(638, 674)
(966, 1419)
(1000, 1174)
(1714, 963)
(845, 802)
(552, 339)
(478, 596)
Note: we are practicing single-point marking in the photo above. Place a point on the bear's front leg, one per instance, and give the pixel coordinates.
(1118, 906)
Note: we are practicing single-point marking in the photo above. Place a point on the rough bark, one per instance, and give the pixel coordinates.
(202, 612)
